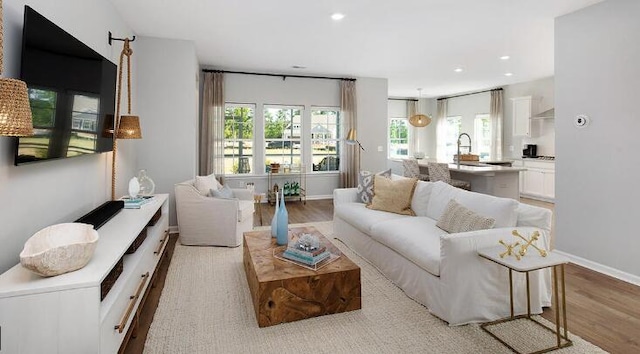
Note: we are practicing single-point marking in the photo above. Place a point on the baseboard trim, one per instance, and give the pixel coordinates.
(319, 197)
(601, 268)
(173, 229)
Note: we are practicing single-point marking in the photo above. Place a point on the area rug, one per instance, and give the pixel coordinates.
(206, 307)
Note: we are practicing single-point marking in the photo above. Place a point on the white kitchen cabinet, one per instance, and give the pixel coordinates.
(538, 181)
(522, 111)
(64, 314)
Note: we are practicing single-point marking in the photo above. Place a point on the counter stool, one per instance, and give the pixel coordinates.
(440, 172)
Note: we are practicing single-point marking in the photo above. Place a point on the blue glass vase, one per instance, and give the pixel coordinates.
(282, 231)
(274, 220)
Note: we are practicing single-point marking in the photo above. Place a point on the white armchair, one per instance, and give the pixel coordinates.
(207, 221)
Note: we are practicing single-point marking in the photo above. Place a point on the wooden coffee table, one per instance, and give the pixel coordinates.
(284, 292)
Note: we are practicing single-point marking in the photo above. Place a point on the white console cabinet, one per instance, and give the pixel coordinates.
(64, 314)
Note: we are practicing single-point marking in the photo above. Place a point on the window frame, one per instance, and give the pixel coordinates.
(478, 136)
(291, 139)
(252, 161)
(337, 139)
(390, 143)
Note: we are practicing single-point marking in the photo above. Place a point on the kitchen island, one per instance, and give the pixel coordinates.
(499, 181)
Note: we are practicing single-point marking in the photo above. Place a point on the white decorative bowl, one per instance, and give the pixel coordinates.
(59, 249)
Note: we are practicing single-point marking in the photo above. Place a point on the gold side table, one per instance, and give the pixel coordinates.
(529, 263)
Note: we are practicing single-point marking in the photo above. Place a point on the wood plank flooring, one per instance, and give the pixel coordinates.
(601, 309)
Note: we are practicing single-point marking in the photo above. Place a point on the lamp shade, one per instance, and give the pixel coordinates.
(352, 137)
(15, 112)
(129, 127)
(420, 120)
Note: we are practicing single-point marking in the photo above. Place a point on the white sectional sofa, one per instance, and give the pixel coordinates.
(443, 271)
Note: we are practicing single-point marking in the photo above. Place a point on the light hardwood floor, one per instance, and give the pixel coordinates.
(601, 309)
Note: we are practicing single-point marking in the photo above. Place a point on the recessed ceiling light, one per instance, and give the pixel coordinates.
(508, 74)
(458, 70)
(298, 67)
(337, 16)
(505, 57)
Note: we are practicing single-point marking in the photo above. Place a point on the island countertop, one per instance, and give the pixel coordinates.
(479, 170)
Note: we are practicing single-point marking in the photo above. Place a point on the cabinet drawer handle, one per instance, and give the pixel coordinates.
(132, 303)
(162, 242)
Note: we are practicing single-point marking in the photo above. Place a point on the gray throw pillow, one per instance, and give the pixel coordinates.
(457, 218)
(365, 185)
(224, 192)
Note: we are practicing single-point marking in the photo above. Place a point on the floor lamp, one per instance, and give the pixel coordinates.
(15, 111)
(352, 139)
(125, 126)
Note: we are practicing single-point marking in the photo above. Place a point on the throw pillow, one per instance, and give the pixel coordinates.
(204, 184)
(225, 192)
(457, 218)
(393, 196)
(365, 185)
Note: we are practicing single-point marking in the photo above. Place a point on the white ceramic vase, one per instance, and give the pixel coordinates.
(134, 187)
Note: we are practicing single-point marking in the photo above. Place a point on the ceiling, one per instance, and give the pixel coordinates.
(413, 43)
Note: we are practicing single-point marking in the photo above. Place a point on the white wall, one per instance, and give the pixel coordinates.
(542, 92)
(597, 169)
(267, 90)
(168, 75)
(41, 194)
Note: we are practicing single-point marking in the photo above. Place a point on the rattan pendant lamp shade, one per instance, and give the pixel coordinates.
(419, 120)
(15, 112)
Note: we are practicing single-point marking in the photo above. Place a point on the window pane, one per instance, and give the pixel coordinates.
(452, 130)
(325, 138)
(282, 130)
(43, 107)
(482, 136)
(238, 133)
(398, 137)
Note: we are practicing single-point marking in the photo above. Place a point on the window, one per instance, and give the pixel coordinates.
(238, 138)
(84, 125)
(282, 131)
(398, 137)
(451, 132)
(482, 136)
(325, 138)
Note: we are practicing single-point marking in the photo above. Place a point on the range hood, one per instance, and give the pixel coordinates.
(548, 114)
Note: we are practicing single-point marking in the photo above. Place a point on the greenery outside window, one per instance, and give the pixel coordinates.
(84, 125)
(325, 138)
(482, 136)
(398, 137)
(238, 138)
(282, 132)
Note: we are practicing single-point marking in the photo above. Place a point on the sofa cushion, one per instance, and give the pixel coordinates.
(393, 196)
(365, 184)
(421, 196)
(415, 238)
(361, 218)
(457, 218)
(503, 210)
(205, 183)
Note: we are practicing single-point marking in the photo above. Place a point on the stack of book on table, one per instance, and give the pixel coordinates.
(136, 203)
(299, 253)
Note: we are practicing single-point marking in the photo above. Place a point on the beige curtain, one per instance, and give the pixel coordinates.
(350, 154)
(441, 132)
(495, 114)
(412, 109)
(212, 125)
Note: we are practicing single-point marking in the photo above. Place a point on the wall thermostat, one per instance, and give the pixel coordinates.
(581, 120)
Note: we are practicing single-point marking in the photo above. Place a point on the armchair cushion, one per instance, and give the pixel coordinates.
(204, 184)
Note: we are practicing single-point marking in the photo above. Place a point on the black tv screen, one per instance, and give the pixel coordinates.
(71, 92)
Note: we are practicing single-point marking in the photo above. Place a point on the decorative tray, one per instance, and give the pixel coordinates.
(278, 253)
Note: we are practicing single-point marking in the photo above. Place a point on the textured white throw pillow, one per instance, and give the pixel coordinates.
(205, 183)
(365, 185)
(457, 218)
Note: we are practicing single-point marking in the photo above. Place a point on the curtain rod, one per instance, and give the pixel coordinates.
(283, 76)
(402, 99)
(468, 94)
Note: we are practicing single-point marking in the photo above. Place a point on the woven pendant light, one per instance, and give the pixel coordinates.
(15, 111)
(129, 127)
(419, 120)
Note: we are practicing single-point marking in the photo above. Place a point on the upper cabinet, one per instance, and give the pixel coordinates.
(522, 109)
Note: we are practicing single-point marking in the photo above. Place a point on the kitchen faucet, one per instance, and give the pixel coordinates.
(460, 145)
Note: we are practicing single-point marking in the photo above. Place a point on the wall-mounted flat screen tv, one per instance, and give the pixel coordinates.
(71, 92)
